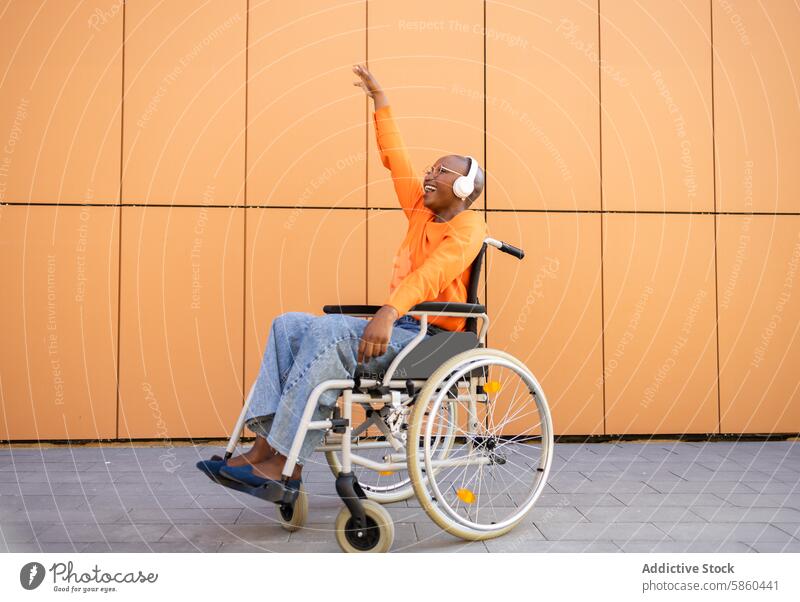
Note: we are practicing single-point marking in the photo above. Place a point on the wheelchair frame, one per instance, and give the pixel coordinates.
(387, 390)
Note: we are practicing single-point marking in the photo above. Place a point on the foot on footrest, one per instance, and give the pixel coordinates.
(266, 489)
(212, 469)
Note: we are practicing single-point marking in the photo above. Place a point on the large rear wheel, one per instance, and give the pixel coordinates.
(502, 452)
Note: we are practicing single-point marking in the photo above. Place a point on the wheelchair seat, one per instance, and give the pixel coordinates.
(431, 353)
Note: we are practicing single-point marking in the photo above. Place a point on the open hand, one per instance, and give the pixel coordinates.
(367, 81)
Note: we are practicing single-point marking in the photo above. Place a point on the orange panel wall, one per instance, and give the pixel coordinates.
(58, 365)
(759, 317)
(299, 260)
(657, 131)
(428, 57)
(60, 87)
(387, 229)
(659, 308)
(756, 96)
(642, 153)
(184, 102)
(545, 310)
(181, 321)
(542, 118)
(306, 122)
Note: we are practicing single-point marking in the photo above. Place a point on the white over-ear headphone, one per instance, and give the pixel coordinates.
(464, 185)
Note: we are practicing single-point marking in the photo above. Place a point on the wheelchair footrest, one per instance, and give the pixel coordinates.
(274, 491)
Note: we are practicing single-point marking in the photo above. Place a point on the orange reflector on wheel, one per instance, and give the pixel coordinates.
(492, 386)
(466, 496)
(386, 473)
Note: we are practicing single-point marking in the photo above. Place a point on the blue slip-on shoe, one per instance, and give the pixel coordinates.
(212, 468)
(244, 475)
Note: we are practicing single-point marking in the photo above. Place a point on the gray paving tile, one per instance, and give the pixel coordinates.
(330, 547)
(208, 534)
(16, 533)
(639, 514)
(555, 514)
(182, 516)
(544, 546)
(683, 546)
(601, 531)
(775, 487)
(160, 478)
(766, 500)
(91, 532)
(611, 487)
(743, 532)
(654, 454)
(783, 476)
(430, 538)
(41, 502)
(723, 487)
(61, 516)
(42, 547)
(150, 547)
(749, 475)
(792, 528)
(55, 476)
(632, 474)
(88, 489)
(561, 467)
(116, 467)
(145, 500)
(748, 515)
(41, 464)
(771, 547)
(672, 499)
(578, 499)
(227, 500)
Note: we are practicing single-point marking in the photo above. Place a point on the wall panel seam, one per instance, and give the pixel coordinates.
(600, 183)
(244, 217)
(119, 222)
(714, 189)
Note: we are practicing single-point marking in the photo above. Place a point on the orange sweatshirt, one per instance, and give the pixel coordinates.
(433, 262)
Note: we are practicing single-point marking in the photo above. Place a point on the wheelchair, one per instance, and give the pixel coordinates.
(463, 427)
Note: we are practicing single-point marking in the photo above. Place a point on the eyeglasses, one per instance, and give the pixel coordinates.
(435, 170)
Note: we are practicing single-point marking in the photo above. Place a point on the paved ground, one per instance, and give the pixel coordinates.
(606, 497)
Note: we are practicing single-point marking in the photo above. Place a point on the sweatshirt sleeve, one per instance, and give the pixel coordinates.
(394, 156)
(454, 254)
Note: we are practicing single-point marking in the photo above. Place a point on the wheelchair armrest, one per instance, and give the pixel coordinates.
(361, 310)
(438, 306)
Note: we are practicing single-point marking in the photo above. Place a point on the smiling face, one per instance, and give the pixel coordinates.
(439, 196)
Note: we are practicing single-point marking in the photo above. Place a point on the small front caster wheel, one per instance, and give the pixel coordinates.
(378, 535)
(293, 517)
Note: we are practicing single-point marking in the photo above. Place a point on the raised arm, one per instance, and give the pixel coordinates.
(394, 156)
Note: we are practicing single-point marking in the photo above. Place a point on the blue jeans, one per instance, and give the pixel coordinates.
(302, 351)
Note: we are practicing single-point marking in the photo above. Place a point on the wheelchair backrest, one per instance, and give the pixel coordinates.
(472, 289)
